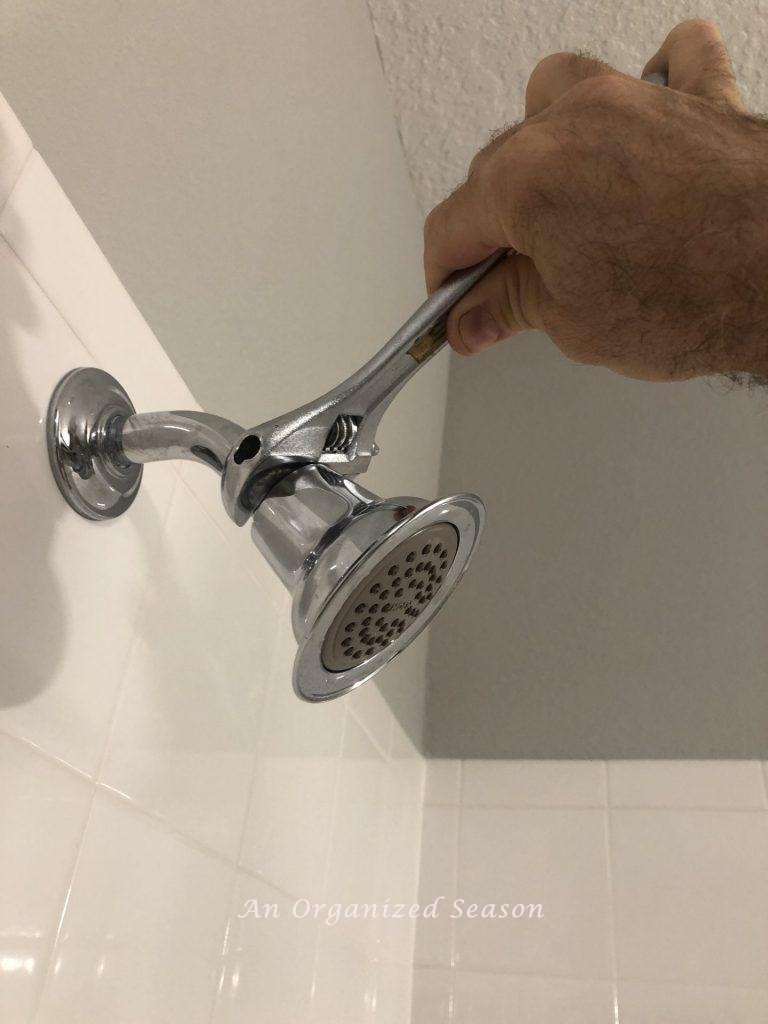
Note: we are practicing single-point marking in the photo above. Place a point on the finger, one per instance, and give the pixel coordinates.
(556, 74)
(460, 231)
(696, 61)
(506, 301)
(491, 210)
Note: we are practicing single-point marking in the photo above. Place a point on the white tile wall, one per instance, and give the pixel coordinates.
(156, 775)
(156, 770)
(653, 877)
(43, 810)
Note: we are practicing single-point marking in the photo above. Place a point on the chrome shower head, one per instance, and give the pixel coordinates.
(367, 574)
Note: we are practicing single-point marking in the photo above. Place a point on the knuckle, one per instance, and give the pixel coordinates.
(430, 223)
(606, 92)
(476, 164)
(601, 88)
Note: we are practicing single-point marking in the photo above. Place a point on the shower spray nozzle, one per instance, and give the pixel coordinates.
(367, 574)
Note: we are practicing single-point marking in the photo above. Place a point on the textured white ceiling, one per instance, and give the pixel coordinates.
(457, 68)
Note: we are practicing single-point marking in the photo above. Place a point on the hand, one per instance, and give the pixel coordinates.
(638, 215)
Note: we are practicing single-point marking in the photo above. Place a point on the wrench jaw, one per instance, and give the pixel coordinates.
(263, 455)
(338, 429)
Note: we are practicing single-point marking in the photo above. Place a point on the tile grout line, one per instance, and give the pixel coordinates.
(265, 706)
(95, 779)
(455, 865)
(419, 863)
(331, 832)
(161, 822)
(48, 298)
(19, 176)
(764, 769)
(237, 866)
(369, 734)
(64, 906)
(52, 759)
(229, 536)
(140, 606)
(611, 894)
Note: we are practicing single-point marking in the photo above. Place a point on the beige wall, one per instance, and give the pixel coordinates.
(457, 68)
(239, 165)
(617, 606)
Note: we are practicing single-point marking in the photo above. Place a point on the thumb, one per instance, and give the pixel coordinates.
(506, 301)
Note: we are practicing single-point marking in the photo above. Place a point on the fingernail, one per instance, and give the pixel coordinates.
(478, 329)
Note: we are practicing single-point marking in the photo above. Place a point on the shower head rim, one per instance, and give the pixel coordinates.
(312, 681)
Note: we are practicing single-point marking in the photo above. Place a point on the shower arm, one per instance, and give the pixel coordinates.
(336, 430)
(97, 443)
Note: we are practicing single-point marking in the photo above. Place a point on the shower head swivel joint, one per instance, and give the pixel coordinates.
(366, 574)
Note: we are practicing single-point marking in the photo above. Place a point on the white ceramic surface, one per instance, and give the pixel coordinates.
(156, 765)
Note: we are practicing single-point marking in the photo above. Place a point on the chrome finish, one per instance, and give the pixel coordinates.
(390, 597)
(300, 513)
(97, 442)
(336, 430)
(339, 575)
(157, 436)
(351, 411)
(87, 467)
(325, 537)
(331, 542)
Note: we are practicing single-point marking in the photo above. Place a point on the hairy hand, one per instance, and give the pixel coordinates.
(638, 215)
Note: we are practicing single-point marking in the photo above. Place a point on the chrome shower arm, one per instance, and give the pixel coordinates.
(98, 443)
(338, 429)
(159, 436)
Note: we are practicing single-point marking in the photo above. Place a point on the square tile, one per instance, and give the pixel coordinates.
(402, 745)
(80, 583)
(691, 896)
(437, 889)
(686, 784)
(269, 962)
(359, 821)
(432, 1001)
(549, 868)
(371, 710)
(348, 949)
(442, 782)
(43, 809)
(15, 148)
(399, 858)
(288, 826)
(346, 977)
(184, 740)
(533, 784)
(44, 230)
(644, 1003)
(205, 485)
(393, 993)
(499, 998)
(144, 926)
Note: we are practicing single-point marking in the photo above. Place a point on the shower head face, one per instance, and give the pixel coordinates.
(396, 591)
(388, 594)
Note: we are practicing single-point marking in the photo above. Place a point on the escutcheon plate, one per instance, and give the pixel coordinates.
(84, 410)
